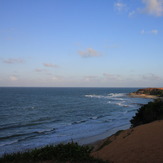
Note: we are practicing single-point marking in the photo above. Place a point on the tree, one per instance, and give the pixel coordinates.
(148, 113)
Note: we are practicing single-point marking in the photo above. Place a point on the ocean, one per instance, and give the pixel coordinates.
(35, 117)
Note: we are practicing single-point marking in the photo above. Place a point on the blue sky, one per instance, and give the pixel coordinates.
(81, 43)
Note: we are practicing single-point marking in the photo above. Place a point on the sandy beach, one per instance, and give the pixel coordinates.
(142, 144)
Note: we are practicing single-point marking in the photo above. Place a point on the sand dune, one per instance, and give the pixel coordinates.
(143, 144)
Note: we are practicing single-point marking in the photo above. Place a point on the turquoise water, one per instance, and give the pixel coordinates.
(34, 117)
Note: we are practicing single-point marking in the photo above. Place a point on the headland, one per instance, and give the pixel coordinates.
(148, 93)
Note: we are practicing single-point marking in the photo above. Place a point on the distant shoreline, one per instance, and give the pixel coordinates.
(152, 93)
(143, 96)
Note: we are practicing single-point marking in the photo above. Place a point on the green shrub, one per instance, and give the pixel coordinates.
(151, 91)
(71, 152)
(147, 113)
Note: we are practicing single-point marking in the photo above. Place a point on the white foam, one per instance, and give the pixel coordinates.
(8, 143)
(95, 96)
(117, 94)
(111, 96)
(44, 131)
(121, 104)
(94, 117)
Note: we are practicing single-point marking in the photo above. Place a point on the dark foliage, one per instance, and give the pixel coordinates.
(147, 113)
(151, 91)
(71, 152)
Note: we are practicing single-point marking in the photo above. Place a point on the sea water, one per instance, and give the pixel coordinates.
(35, 117)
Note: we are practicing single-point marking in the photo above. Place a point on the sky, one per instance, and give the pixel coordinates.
(81, 43)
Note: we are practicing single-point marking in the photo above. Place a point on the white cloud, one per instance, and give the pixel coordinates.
(153, 31)
(89, 53)
(40, 70)
(50, 65)
(13, 60)
(153, 7)
(120, 6)
(13, 78)
(150, 77)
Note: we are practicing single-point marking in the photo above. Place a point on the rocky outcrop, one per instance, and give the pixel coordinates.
(148, 93)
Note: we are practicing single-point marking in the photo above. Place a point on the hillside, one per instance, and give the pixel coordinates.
(137, 145)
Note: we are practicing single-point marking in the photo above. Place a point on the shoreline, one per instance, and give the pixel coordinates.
(135, 95)
(91, 140)
(84, 141)
(141, 143)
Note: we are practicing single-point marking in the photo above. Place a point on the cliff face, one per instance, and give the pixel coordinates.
(150, 91)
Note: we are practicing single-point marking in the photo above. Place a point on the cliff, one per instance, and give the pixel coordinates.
(149, 92)
(142, 144)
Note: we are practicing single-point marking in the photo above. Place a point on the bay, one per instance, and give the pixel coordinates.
(35, 117)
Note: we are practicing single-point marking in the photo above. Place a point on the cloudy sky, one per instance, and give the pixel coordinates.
(81, 43)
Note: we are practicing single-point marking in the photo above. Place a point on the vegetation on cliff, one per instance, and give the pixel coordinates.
(151, 91)
(71, 152)
(147, 113)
